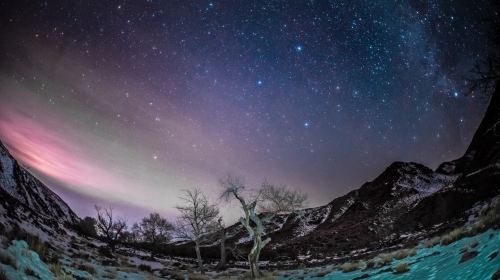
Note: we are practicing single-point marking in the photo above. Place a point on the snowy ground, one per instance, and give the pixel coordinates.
(73, 257)
(471, 258)
(468, 258)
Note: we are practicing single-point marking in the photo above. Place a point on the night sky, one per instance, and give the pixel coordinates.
(129, 102)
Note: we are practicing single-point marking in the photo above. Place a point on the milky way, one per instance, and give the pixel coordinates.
(129, 102)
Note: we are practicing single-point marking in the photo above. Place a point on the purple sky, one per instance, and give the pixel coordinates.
(128, 104)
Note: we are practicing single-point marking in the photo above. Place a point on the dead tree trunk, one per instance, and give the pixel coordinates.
(222, 263)
(198, 256)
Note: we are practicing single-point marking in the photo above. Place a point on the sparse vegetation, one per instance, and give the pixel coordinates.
(87, 227)
(384, 259)
(7, 259)
(144, 267)
(401, 268)
(56, 268)
(349, 267)
(482, 223)
(323, 273)
(431, 242)
(491, 217)
(151, 277)
(33, 241)
(387, 258)
(453, 236)
(87, 267)
(111, 274)
(30, 272)
(404, 253)
(59, 272)
(65, 276)
(3, 276)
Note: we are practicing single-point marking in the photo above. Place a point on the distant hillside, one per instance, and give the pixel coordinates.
(26, 201)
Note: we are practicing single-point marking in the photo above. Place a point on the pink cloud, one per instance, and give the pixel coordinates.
(38, 146)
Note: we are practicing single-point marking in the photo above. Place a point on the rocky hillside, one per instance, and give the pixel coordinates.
(26, 201)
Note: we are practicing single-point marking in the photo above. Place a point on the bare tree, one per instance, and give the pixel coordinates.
(196, 220)
(280, 199)
(110, 227)
(154, 230)
(274, 199)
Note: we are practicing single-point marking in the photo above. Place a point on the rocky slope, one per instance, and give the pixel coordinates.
(26, 201)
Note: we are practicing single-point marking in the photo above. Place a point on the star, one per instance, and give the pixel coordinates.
(243, 79)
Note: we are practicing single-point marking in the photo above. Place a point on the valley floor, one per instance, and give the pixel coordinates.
(469, 258)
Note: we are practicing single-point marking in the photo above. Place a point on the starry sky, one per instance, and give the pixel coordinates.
(128, 102)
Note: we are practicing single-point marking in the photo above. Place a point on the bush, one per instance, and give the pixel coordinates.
(349, 267)
(404, 253)
(428, 243)
(322, 273)
(385, 259)
(401, 268)
(86, 227)
(7, 259)
(59, 272)
(453, 236)
(57, 269)
(87, 267)
(105, 252)
(30, 272)
(144, 267)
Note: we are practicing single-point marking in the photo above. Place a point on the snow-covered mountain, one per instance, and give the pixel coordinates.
(26, 201)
